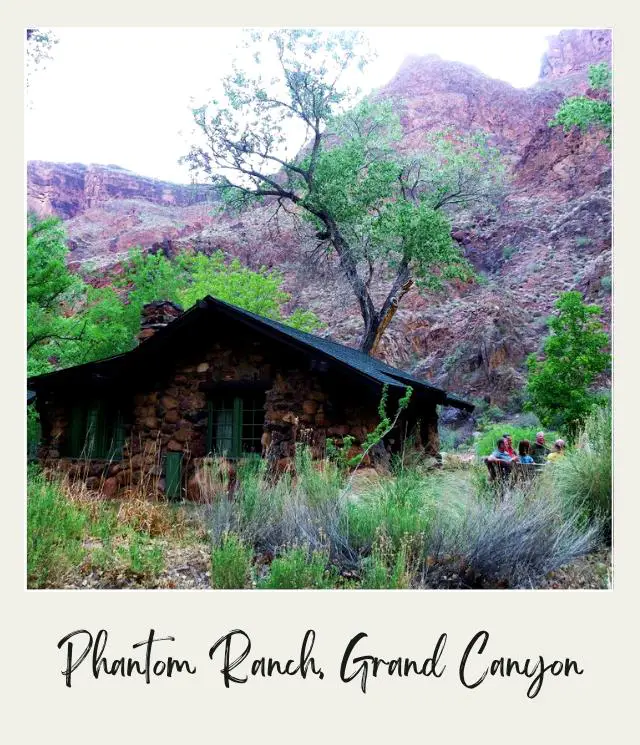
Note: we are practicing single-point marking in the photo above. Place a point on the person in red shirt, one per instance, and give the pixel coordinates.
(508, 445)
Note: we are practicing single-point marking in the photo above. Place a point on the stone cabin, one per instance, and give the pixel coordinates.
(217, 379)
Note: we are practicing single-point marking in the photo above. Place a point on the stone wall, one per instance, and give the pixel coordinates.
(169, 413)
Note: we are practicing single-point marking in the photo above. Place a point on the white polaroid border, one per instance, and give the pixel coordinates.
(596, 628)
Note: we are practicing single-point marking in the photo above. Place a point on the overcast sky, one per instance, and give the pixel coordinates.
(122, 95)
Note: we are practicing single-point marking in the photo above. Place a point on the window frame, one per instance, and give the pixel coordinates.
(238, 425)
(104, 419)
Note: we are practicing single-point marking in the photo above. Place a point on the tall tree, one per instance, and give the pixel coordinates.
(372, 208)
(68, 320)
(573, 355)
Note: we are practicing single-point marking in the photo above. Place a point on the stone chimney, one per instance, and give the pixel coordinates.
(157, 315)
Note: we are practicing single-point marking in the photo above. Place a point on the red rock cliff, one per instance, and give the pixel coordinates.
(67, 189)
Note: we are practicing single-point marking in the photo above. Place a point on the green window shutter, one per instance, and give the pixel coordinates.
(103, 431)
(91, 435)
(173, 475)
(117, 445)
(78, 431)
(209, 426)
(236, 432)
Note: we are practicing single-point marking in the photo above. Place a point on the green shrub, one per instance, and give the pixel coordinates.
(489, 414)
(390, 573)
(55, 530)
(375, 575)
(297, 569)
(583, 477)
(507, 252)
(398, 507)
(231, 564)
(560, 386)
(582, 241)
(605, 283)
(518, 538)
(143, 558)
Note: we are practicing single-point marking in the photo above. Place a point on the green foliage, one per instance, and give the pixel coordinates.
(585, 112)
(66, 532)
(33, 432)
(460, 171)
(70, 322)
(582, 241)
(605, 283)
(397, 508)
(338, 453)
(600, 77)
(189, 277)
(584, 476)
(371, 206)
(378, 574)
(55, 528)
(231, 564)
(49, 284)
(559, 386)
(297, 569)
(507, 252)
(143, 558)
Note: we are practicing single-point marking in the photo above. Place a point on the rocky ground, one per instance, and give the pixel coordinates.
(187, 568)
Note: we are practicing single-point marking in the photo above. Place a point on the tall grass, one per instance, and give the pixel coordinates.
(303, 509)
(388, 534)
(55, 528)
(514, 540)
(231, 564)
(584, 476)
(398, 506)
(69, 531)
(297, 569)
(405, 529)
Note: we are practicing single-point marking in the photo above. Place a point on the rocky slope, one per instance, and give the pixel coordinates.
(552, 233)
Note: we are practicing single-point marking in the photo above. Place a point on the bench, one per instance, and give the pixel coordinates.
(504, 473)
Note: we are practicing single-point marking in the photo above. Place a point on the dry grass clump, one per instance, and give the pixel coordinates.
(152, 518)
(214, 479)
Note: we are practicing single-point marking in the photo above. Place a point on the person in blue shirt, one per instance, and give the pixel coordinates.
(523, 452)
(500, 453)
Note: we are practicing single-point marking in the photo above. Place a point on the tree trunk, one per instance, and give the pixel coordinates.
(375, 322)
(374, 330)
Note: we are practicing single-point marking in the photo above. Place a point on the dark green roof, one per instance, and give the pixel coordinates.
(354, 359)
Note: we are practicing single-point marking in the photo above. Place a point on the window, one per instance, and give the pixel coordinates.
(96, 431)
(235, 425)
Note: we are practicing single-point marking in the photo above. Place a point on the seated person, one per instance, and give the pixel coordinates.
(508, 445)
(523, 452)
(539, 450)
(558, 450)
(500, 453)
